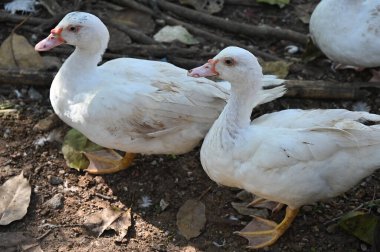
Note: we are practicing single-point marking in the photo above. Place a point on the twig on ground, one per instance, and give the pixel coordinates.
(241, 2)
(104, 196)
(232, 26)
(158, 51)
(296, 88)
(13, 18)
(204, 193)
(362, 205)
(39, 238)
(136, 35)
(214, 37)
(184, 62)
(25, 77)
(208, 35)
(328, 90)
(49, 225)
(134, 5)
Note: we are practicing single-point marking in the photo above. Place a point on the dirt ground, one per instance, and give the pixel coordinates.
(174, 179)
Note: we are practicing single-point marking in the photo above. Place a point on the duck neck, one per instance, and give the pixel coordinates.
(83, 60)
(243, 98)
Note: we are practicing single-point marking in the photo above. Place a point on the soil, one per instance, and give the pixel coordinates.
(174, 179)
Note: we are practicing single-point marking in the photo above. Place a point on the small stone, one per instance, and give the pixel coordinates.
(34, 94)
(99, 180)
(163, 204)
(44, 212)
(47, 123)
(55, 180)
(363, 247)
(55, 202)
(331, 229)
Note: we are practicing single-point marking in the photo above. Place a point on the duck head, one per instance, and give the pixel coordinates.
(231, 64)
(80, 29)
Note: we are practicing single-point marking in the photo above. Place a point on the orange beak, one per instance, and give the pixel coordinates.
(206, 70)
(53, 40)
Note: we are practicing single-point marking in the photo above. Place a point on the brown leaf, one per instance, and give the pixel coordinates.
(122, 224)
(191, 218)
(242, 208)
(101, 220)
(15, 198)
(15, 51)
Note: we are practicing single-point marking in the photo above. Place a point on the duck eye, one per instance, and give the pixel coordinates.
(229, 61)
(73, 29)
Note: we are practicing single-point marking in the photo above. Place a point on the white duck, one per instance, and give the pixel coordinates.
(294, 157)
(133, 105)
(348, 32)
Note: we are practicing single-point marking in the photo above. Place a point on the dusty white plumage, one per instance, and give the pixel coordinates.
(134, 105)
(347, 31)
(294, 157)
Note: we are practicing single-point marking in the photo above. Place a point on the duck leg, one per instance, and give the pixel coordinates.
(108, 161)
(262, 232)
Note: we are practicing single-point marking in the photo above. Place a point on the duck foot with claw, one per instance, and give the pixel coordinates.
(262, 232)
(108, 161)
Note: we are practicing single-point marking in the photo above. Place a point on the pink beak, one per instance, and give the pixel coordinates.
(53, 40)
(205, 70)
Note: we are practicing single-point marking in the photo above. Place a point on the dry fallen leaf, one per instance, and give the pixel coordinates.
(100, 221)
(121, 224)
(18, 241)
(191, 218)
(279, 68)
(209, 6)
(172, 33)
(109, 218)
(241, 208)
(15, 198)
(16, 51)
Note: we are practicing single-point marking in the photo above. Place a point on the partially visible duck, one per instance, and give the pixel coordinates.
(347, 31)
(133, 105)
(294, 157)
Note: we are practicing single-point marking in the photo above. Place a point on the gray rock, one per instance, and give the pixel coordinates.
(56, 180)
(55, 202)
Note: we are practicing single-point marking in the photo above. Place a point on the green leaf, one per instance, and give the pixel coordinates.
(359, 224)
(279, 68)
(280, 3)
(74, 145)
(311, 52)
